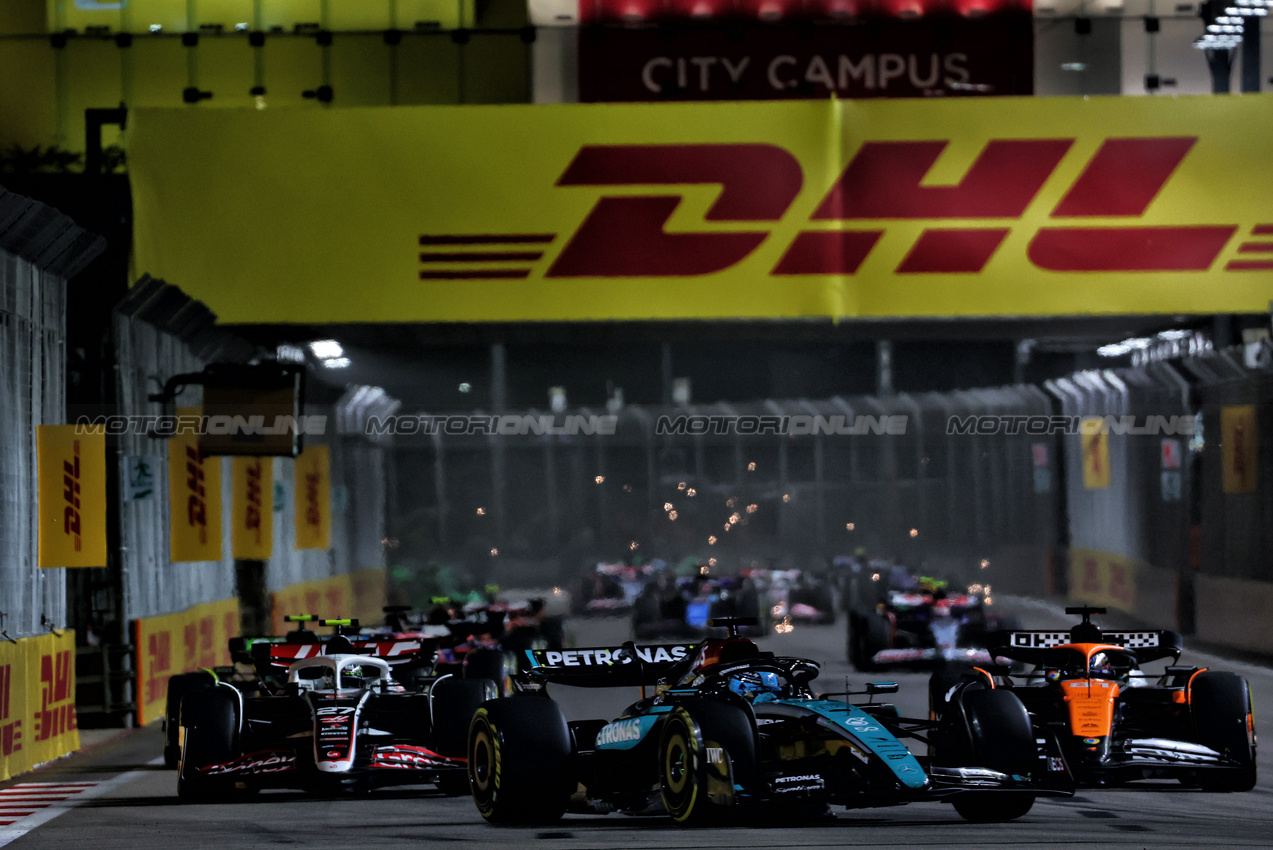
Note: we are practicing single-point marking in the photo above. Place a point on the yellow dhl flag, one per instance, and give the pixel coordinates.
(72, 474)
(1239, 446)
(194, 496)
(1095, 458)
(252, 483)
(313, 498)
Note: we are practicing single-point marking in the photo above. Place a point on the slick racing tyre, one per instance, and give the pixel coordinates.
(178, 686)
(942, 684)
(993, 806)
(452, 704)
(991, 729)
(1223, 720)
(520, 761)
(211, 720)
(868, 634)
(490, 664)
(685, 769)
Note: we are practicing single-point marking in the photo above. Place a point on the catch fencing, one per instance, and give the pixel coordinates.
(39, 250)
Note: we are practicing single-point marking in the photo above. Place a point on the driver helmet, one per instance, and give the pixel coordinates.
(1100, 665)
(752, 685)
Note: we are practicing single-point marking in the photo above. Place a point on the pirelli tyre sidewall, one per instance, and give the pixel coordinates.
(681, 763)
(484, 764)
(520, 761)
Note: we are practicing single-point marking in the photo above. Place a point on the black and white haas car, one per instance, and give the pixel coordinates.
(342, 721)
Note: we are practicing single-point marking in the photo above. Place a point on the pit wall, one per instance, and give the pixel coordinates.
(37, 701)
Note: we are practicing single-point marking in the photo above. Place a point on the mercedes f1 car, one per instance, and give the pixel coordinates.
(1106, 720)
(922, 625)
(733, 729)
(341, 720)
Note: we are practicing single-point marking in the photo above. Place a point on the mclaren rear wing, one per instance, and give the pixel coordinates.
(606, 666)
(1028, 646)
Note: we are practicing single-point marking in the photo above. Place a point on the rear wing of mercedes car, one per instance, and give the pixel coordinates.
(606, 666)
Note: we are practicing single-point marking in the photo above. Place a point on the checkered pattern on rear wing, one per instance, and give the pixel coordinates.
(1125, 639)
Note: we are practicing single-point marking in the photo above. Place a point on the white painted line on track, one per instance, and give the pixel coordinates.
(69, 795)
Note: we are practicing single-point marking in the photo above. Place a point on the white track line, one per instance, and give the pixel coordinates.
(87, 791)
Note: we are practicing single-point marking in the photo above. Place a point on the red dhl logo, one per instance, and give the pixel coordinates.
(252, 520)
(57, 699)
(158, 665)
(625, 236)
(200, 644)
(10, 730)
(71, 496)
(313, 511)
(196, 505)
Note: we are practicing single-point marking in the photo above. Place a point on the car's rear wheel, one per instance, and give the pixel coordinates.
(211, 721)
(1223, 720)
(520, 761)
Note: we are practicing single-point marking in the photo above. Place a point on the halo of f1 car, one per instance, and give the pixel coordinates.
(730, 728)
(1106, 720)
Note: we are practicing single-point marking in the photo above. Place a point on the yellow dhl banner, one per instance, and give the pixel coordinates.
(194, 497)
(858, 208)
(178, 643)
(251, 507)
(1095, 441)
(312, 498)
(72, 474)
(1239, 447)
(360, 594)
(1103, 579)
(37, 702)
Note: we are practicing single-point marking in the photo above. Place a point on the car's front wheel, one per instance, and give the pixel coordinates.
(1223, 721)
